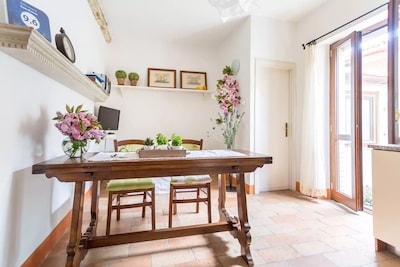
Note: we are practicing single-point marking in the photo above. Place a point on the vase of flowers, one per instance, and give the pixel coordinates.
(80, 127)
(228, 99)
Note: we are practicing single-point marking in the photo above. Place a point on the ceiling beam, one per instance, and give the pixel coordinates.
(99, 16)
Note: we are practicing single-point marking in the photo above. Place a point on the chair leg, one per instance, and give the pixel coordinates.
(144, 207)
(153, 209)
(174, 204)
(109, 209)
(171, 197)
(118, 208)
(209, 202)
(197, 203)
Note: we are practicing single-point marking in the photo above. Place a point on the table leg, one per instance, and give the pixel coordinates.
(73, 247)
(94, 209)
(222, 197)
(243, 234)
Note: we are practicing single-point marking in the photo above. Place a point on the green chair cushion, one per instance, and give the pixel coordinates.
(129, 148)
(129, 184)
(191, 179)
(190, 147)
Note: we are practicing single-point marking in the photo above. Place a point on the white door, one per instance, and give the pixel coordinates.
(272, 125)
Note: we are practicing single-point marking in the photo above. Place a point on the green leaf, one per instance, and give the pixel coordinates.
(78, 108)
(69, 110)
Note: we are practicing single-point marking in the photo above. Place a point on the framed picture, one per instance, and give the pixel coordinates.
(161, 78)
(193, 80)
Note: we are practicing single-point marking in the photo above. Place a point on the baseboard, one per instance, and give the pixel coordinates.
(41, 252)
(328, 191)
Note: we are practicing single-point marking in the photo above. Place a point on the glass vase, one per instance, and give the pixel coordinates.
(229, 140)
(75, 148)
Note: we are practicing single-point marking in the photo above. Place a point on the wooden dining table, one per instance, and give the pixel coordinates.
(97, 167)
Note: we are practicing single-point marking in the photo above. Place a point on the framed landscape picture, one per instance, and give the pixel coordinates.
(161, 78)
(193, 80)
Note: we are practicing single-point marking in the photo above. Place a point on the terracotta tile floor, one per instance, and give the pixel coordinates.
(287, 229)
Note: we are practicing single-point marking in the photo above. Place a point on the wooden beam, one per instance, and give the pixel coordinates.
(99, 16)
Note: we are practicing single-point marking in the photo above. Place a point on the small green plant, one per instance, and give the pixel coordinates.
(149, 142)
(133, 76)
(161, 139)
(120, 74)
(176, 140)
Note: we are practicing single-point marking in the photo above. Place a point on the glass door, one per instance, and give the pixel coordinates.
(374, 100)
(345, 121)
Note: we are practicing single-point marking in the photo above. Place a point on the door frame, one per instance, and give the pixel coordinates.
(291, 68)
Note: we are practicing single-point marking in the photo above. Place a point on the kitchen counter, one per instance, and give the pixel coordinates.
(385, 195)
(387, 147)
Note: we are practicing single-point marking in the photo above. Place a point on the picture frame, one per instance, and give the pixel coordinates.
(193, 80)
(161, 78)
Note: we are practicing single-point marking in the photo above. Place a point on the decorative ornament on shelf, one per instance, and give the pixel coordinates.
(228, 99)
(121, 76)
(64, 45)
(80, 127)
(133, 78)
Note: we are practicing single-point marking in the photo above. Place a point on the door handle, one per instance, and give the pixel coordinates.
(286, 129)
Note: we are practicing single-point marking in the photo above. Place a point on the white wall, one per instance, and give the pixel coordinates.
(32, 205)
(146, 112)
(237, 46)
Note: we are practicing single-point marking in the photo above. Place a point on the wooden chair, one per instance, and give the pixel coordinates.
(198, 184)
(134, 187)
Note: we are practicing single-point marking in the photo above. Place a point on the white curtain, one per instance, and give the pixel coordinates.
(314, 169)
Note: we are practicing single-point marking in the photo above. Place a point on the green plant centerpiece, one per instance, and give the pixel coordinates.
(162, 141)
(176, 141)
(148, 144)
(133, 78)
(121, 76)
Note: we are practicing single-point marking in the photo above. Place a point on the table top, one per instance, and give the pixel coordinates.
(94, 166)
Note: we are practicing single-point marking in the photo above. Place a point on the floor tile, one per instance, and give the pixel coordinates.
(287, 230)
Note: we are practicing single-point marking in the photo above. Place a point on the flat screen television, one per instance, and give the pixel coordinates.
(108, 118)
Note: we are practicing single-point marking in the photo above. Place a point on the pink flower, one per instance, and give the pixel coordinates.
(79, 125)
(228, 100)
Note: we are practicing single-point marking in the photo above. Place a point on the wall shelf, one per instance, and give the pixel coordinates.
(31, 48)
(180, 90)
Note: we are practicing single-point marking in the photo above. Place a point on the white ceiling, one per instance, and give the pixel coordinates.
(189, 20)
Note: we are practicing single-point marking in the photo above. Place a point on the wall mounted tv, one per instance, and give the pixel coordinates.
(108, 118)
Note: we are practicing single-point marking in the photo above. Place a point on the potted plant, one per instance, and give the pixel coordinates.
(133, 77)
(162, 141)
(148, 144)
(176, 142)
(121, 76)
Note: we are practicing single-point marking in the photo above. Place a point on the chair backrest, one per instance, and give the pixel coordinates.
(129, 145)
(191, 144)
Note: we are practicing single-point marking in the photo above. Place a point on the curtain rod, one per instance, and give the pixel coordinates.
(314, 41)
